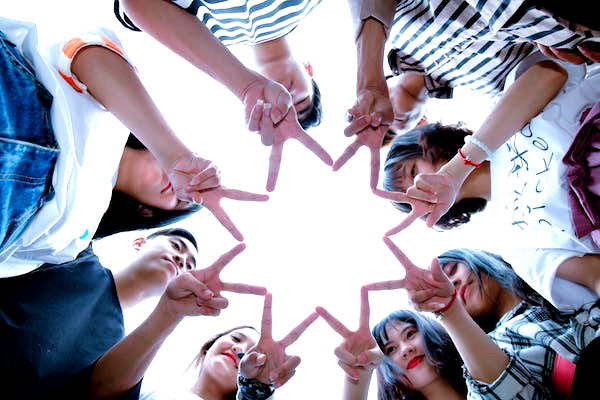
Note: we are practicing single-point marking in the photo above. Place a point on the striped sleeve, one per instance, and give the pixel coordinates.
(515, 382)
(190, 6)
(69, 50)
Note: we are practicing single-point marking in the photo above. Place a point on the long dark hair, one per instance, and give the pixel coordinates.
(439, 351)
(199, 359)
(125, 213)
(482, 262)
(434, 143)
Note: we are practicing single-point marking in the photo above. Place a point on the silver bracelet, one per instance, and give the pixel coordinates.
(480, 144)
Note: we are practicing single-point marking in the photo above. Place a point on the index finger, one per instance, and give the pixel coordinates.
(224, 219)
(386, 285)
(333, 322)
(406, 222)
(374, 167)
(241, 195)
(315, 147)
(227, 257)
(398, 197)
(400, 256)
(244, 288)
(274, 164)
(298, 330)
(365, 311)
(266, 325)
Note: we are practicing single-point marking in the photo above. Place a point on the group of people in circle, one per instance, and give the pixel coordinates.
(520, 326)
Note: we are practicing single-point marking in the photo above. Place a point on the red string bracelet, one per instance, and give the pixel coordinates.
(447, 306)
(467, 160)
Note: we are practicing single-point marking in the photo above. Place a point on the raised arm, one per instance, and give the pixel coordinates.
(521, 102)
(193, 293)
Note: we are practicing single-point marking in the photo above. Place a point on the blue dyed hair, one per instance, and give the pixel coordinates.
(439, 351)
(482, 262)
(434, 143)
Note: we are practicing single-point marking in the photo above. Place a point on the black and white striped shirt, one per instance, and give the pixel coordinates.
(472, 43)
(241, 21)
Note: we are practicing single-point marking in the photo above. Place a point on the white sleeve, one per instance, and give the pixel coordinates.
(538, 268)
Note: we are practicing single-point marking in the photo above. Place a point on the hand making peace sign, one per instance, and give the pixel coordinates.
(358, 354)
(428, 289)
(275, 135)
(268, 361)
(370, 137)
(198, 292)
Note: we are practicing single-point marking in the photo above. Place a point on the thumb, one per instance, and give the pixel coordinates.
(251, 364)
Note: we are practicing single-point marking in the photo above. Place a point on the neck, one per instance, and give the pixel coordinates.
(477, 184)
(206, 388)
(508, 300)
(132, 288)
(440, 389)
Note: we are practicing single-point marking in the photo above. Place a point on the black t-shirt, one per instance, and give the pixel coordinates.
(55, 323)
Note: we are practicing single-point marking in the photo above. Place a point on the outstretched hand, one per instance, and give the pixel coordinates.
(370, 137)
(440, 189)
(428, 289)
(211, 199)
(419, 208)
(358, 354)
(190, 175)
(267, 361)
(371, 110)
(287, 128)
(198, 292)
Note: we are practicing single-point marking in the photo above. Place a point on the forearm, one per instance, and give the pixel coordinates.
(369, 50)
(188, 37)
(381, 10)
(358, 390)
(114, 83)
(482, 357)
(521, 102)
(124, 365)
(583, 270)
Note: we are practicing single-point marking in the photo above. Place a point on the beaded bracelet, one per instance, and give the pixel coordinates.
(253, 389)
(480, 144)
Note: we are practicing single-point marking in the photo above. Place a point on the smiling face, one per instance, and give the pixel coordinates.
(478, 302)
(405, 348)
(141, 177)
(161, 258)
(220, 364)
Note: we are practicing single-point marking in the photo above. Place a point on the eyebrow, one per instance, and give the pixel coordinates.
(180, 242)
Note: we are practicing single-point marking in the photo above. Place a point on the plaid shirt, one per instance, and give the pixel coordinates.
(532, 338)
(472, 43)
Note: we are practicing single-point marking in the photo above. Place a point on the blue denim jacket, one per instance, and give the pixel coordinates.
(28, 150)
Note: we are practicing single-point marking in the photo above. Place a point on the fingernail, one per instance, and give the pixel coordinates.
(267, 106)
(207, 293)
(259, 102)
(272, 377)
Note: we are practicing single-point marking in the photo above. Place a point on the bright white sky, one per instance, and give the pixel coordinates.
(318, 238)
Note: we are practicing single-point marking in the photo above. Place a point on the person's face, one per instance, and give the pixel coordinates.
(405, 348)
(160, 259)
(477, 301)
(222, 359)
(409, 169)
(147, 182)
(408, 109)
